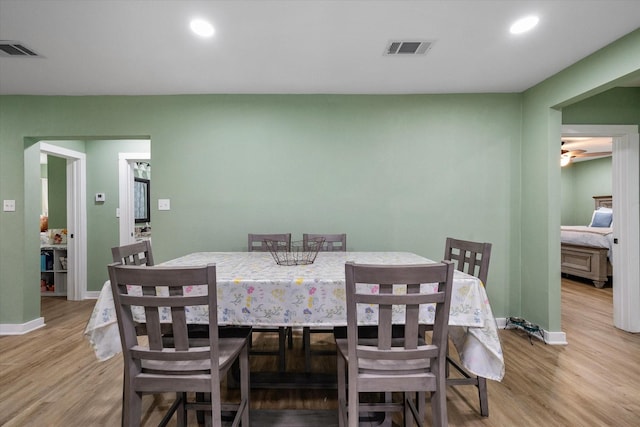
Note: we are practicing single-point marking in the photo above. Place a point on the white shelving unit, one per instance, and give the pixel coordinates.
(53, 270)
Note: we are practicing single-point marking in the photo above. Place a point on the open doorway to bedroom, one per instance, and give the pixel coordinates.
(624, 238)
(586, 186)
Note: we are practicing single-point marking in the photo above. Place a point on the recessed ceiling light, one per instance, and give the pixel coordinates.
(523, 25)
(201, 28)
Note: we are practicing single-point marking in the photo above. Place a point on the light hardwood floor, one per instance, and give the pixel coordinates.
(51, 378)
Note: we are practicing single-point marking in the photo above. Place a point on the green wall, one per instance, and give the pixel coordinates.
(393, 172)
(580, 182)
(617, 106)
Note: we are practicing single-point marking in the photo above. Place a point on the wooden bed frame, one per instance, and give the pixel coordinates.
(587, 261)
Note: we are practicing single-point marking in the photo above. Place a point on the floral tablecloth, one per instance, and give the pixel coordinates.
(254, 290)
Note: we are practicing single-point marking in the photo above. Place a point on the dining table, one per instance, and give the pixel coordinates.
(253, 290)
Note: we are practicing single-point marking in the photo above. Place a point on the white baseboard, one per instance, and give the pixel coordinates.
(91, 294)
(21, 328)
(551, 338)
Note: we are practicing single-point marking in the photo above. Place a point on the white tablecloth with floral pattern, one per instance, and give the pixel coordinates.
(254, 290)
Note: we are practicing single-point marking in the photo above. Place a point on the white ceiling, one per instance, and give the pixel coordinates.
(305, 46)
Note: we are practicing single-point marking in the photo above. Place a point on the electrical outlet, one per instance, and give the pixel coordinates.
(9, 205)
(164, 204)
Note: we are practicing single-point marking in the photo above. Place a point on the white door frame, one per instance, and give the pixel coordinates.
(76, 218)
(125, 194)
(626, 228)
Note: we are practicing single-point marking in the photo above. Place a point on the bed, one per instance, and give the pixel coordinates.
(586, 250)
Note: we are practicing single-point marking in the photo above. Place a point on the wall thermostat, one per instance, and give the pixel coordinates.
(100, 197)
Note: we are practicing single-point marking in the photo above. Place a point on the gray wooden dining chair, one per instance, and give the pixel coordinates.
(150, 366)
(386, 364)
(257, 243)
(472, 258)
(332, 243)
(140, 253)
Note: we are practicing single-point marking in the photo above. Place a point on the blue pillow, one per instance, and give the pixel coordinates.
(602, 219)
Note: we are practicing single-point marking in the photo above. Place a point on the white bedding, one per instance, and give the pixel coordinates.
(599, 237)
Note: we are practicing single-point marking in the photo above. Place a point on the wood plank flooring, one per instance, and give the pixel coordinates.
(50, 377)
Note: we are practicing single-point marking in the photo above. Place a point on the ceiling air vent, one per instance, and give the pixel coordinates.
(16, 50)
(408, 47)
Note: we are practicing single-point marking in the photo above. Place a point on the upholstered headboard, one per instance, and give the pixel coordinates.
(603, 201)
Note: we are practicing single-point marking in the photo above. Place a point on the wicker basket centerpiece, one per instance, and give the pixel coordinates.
(299, 253)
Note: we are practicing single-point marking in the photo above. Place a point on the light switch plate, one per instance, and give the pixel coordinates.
(164, 204)
(9, 205)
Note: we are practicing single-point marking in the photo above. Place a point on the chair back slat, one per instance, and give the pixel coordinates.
(398, 299)
(257, 243)
(395, 353)
(412, 318)
(399, 286)
(469, 257)
(159, 301)
(385, 314)
(180, 331)
(179, 320)
(154, 328)
(332, 242)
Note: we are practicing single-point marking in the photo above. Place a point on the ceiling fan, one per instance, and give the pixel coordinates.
(567, 156)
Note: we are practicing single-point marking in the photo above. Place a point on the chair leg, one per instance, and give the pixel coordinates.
(342, 390)
(438, 409)
(353, 404)
(483, 396)
(181, 412)
(420, 402)
(131, 404)
(245, 389)
(282, 337)
(306, 344)
(387, 421)
(408, 414)
(290, 337)
(421, 405)
(132, 410)
(200, 397)
(439, 400)
(215, 414)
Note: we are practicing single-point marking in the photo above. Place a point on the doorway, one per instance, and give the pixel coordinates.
(626, 198)
(126, 177)
(76, 224)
